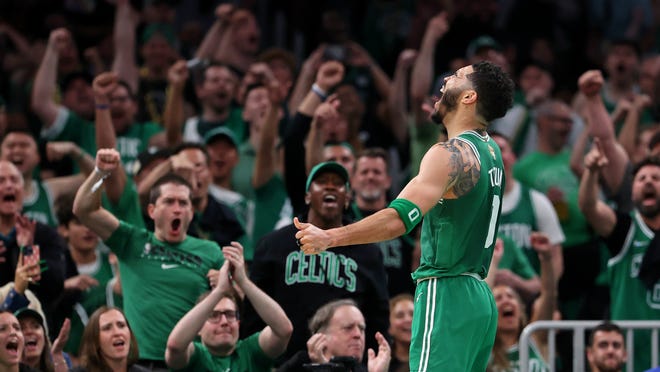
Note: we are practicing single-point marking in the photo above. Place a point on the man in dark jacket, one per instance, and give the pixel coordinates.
(302, 283)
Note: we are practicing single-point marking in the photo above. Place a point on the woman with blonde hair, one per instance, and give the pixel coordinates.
(512, 317)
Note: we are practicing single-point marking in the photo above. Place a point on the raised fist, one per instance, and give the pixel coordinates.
(591, 82)
(330, 74)
(107, 160)
(104, 84)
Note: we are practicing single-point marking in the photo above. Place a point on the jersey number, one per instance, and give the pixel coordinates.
(493, 221)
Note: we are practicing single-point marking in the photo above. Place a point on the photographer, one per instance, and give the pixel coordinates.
(337, 342)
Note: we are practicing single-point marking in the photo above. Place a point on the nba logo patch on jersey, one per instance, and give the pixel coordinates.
(492, 151)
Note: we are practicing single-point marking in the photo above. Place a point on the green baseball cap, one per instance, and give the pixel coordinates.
(328, 166)
(216, 133)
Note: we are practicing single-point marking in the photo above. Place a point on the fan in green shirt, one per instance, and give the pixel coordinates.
(216, 319)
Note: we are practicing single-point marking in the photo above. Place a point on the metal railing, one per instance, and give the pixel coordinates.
(579, 327)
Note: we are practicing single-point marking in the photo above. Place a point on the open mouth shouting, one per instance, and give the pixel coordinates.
(31, 344)
(330, 201)
(14, 349)
(175, 227)
(9, 203)
(119, 344)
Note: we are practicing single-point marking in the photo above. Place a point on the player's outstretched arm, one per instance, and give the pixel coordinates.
(448, 169)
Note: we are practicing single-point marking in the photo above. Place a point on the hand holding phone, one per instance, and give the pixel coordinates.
(31, 256)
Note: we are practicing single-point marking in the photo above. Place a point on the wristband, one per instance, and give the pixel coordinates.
(102, 106)
(409, 213)
(98, 183)
(323, 95)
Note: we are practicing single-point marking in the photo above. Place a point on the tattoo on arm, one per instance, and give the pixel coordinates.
(465, 170)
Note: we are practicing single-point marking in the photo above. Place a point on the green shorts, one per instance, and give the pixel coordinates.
(454, 325)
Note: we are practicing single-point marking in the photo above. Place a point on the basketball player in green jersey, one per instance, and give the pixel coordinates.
(458, 190)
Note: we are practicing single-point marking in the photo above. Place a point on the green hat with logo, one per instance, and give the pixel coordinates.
(328, 166)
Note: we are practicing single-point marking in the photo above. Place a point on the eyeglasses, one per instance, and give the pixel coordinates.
(216, 316)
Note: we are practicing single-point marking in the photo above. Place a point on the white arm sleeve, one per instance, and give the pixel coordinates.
(546, 217)
(57, 126)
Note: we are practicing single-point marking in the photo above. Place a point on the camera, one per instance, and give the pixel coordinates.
(335, 52)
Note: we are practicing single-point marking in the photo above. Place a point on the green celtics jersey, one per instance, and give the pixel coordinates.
(39, 206)
(514, 259)
(519, 223)
(92, 299)
(552, 173)
(535, 362)
(247, 356)
(127, 207)
(161, 281)
(631, 300)
(458, 235)
(70, 127)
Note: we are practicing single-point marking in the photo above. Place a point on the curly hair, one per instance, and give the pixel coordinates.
(494, 90)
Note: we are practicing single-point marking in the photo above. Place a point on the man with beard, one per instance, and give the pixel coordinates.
(163, 272)
(459, 188)
(634, 272)
(370, 184)
(288, 275)
(607, 349)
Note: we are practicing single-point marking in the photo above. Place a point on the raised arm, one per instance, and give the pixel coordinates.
(397, 102)
(177, 163)
(274, 338)
(325, 114)
(423, 72)
(329, 75)
(266, 158)
(441, 169)
(45, 82)
(180, 342)
(215, 34)
(87, 204)
(546, 303)
(106, 138)
(599, 215)
(306, 79)
(600, 126)
(57, 150)
(124, 63)
(358, 56)
(174, 116)
(630, 129)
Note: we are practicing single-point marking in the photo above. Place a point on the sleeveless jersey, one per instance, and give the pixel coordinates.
(534, 364)
(519, 223)
(458, 235)
(39, 206)
(631, 300)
